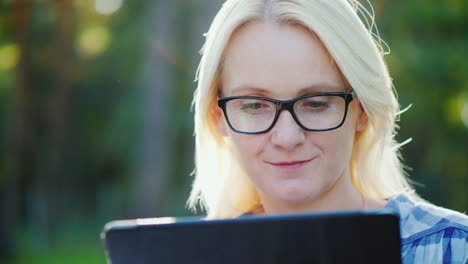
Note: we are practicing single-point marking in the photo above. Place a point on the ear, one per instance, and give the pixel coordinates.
(362, 118)
(219, 121)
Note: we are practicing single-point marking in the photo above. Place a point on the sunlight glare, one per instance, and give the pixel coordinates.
(156, 221)
(107, 7)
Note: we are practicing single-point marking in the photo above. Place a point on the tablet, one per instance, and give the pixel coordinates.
(347, 237)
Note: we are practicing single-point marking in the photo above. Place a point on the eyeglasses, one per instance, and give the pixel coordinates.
(315, 112)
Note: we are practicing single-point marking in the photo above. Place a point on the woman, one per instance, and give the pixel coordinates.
(295, 111)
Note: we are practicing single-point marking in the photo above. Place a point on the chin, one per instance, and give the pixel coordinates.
(296, 194)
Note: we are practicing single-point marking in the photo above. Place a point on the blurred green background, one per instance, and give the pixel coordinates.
(96, 125)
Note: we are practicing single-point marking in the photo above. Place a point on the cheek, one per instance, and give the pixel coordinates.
(247, 147)
(339, 143)
(336, 145)
(342, 146)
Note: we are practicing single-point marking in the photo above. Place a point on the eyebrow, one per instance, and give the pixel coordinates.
(311, 89)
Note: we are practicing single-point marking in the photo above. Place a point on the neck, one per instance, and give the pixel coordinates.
(342, 195)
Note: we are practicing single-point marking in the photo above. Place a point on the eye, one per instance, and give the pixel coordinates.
(252, 106)
(255, 107)
(316, 105)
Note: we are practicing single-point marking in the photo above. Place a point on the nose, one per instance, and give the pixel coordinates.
(287, 134)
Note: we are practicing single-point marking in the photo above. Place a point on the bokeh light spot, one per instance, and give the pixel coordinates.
(10, 55)
(93, 41)
(107, 7)
(464, 114)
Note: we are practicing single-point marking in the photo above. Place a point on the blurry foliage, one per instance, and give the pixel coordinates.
(429, 65)
(101, 66)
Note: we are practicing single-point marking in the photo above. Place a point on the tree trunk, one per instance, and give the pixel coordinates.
(51, 182)
(155, 143)
(18, 163)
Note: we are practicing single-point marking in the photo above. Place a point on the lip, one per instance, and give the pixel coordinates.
(290, 165)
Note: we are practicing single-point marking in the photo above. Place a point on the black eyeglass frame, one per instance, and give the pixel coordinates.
(289, 106)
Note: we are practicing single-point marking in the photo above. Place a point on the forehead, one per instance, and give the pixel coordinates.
(279, 60)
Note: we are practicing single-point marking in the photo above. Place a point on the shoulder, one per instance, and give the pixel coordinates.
(429, 233)
(418, 218)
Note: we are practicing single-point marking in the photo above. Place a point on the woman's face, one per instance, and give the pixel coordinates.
(288, 165)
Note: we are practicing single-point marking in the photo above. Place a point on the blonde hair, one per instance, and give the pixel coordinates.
(220, 186)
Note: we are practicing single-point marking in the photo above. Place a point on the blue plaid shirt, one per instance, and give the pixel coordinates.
(430, 234)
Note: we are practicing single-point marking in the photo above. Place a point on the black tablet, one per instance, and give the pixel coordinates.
(347, 237)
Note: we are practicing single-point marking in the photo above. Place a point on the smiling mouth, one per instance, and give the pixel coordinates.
(290, 164)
